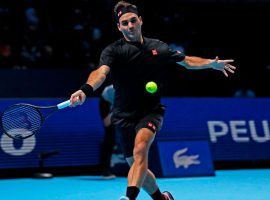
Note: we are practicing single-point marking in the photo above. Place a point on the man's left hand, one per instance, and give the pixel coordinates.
(223, 65)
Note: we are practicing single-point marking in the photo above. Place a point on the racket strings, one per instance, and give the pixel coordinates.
(21, 121)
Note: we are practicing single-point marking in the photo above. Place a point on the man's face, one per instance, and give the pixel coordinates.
(130, 26)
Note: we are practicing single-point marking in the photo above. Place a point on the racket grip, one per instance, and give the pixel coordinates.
(64, 104)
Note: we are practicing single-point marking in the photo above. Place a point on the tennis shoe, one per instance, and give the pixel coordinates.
(167, 195)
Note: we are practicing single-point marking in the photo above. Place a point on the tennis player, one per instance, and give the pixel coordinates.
(133, 61)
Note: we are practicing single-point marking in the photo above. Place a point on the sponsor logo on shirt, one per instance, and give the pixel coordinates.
(154, 52)
(151, 126)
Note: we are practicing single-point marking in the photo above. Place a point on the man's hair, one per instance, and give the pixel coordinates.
(122, 4)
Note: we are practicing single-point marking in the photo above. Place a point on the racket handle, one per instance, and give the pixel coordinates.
(64, 104)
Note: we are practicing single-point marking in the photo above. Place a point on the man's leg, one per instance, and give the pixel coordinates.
(108, 140)
(139, 168)
(133, 145)
(149, 184)
(106, 152)
(139, 175)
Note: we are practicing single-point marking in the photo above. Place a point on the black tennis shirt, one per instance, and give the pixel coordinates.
(132, 65)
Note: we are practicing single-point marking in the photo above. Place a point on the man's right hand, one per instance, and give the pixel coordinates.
(77, 98)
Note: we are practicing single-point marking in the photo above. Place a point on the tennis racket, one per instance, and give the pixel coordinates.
(21, 121)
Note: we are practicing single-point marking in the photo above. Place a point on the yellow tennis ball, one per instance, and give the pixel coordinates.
(151, 87)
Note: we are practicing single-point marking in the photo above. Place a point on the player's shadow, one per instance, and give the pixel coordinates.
(94, 178)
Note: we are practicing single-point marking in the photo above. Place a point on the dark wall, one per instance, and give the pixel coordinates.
(71, 36)
(40, 83)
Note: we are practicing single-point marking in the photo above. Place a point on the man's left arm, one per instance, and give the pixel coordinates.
(192, 62)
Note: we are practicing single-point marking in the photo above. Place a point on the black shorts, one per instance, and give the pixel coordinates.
(128, 130)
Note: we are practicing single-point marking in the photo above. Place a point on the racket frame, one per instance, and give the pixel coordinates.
(37, 108)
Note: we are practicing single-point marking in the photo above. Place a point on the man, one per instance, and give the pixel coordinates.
(133, 61)
(105, 108)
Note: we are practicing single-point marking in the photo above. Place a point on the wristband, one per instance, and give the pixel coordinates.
(87, 89)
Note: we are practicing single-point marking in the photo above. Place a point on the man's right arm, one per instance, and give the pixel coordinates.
(94, 81)
(97, 77)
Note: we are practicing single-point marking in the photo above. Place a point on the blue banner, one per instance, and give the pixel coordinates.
(237, 128)
(75, 133)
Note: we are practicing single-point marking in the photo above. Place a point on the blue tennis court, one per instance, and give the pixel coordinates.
(226, 185)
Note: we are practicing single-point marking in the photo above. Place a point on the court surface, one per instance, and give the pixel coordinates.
(226, 185)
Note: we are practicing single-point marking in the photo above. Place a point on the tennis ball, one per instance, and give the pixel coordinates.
(151, 87)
